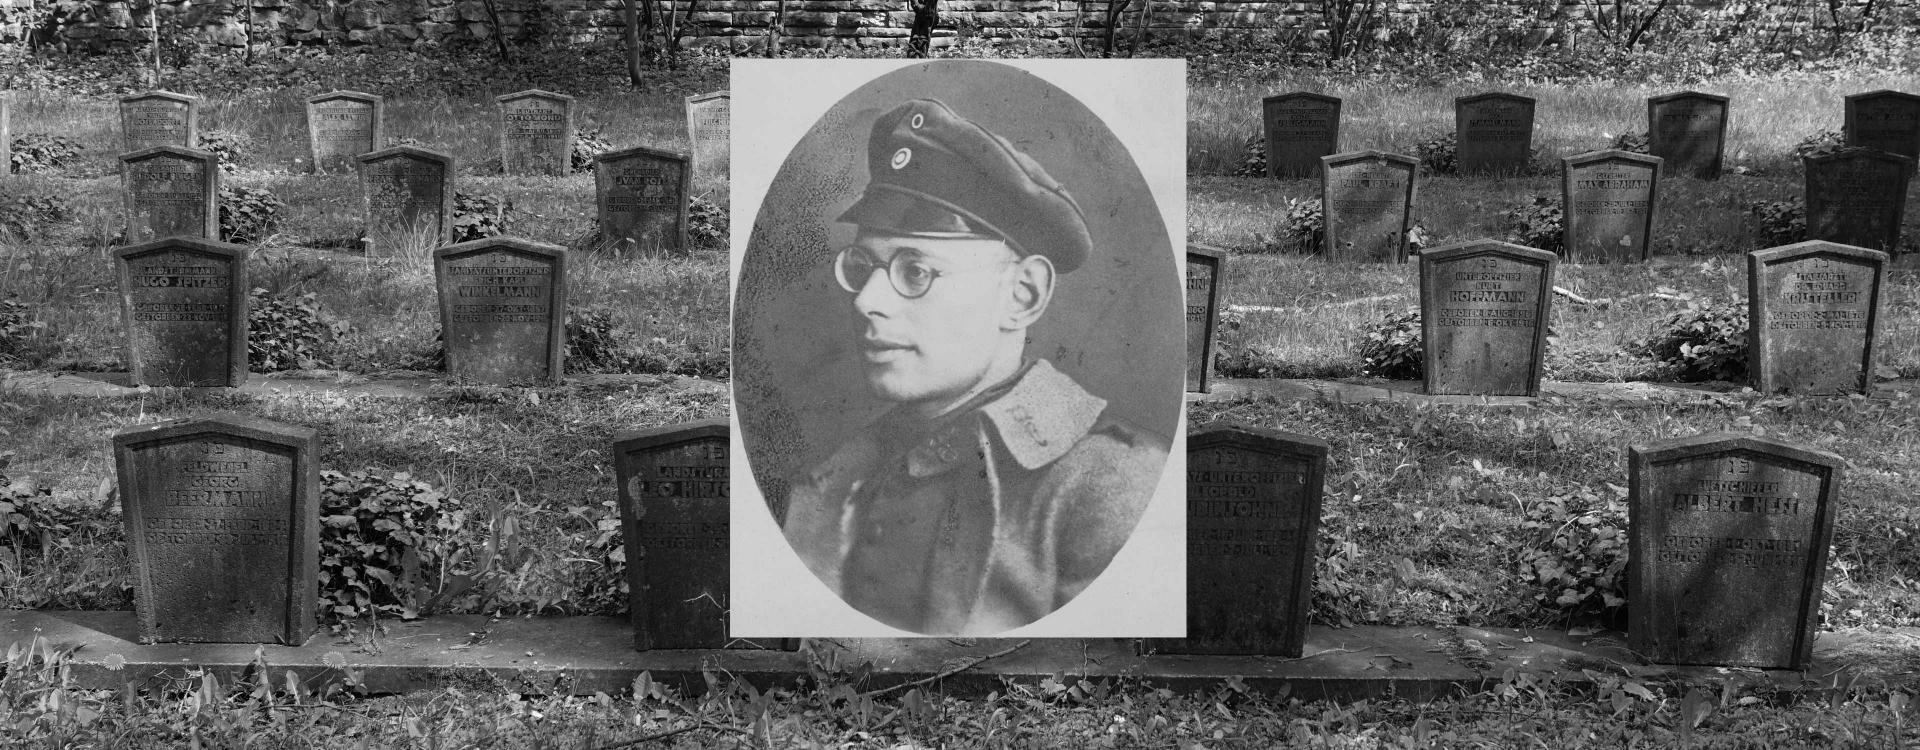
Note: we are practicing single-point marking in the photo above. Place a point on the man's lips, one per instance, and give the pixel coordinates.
(880, 349)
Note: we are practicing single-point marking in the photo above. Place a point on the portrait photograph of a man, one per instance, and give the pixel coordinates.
(958, 343)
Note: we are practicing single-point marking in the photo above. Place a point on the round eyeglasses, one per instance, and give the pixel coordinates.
(907, 271)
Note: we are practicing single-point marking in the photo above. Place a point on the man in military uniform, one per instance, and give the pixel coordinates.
(997, 489)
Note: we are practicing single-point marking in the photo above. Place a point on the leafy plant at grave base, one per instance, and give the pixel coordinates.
(1538, 224)
(39, 538)
(1580, 560)
(596, 343)
(288, 332)
(1639, 143)
(18, 326)
(1255, 162)
(1705, 341)
(248, 215)
(1438, 155)
(1781, 222)
(706, 223)
(43, 152)
(1821, 143)
(228, 148)
(1234, 356)
(586, 145)
(1303, 226)
(23, 216)
(478, 216)
(1392, 348)
(380, 540)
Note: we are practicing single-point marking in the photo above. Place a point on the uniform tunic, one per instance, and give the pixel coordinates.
(981, 520)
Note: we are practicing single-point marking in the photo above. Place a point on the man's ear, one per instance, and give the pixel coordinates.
(1032, 289)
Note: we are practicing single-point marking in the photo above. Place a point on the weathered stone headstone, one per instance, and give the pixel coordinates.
(1728, 549)
(1884, 121)
(408, 197)
(1483, 311)
(1206, 266)
(1366, 199)
(159, 118)
(1857, 197)
(1493, 133)
(184, 302)
(710, 130)
(673, 511)
(222, 519)
(643, 198)
(1301, 127)
(342, 125)
(1689, 131)
(1812, 317)
(536, 132)
(503, 310)
(1253, 525)
(171, 191)
(1609, 199)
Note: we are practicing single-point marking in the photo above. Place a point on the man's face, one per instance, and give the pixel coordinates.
(939, 346)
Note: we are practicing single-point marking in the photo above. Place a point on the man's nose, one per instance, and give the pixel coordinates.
(877, 296)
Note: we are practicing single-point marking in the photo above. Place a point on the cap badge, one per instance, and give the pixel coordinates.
(901, 157)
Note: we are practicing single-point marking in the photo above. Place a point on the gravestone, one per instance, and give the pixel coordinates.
(342, 125)
(1205, 266)
(710, 130)
(1301, 128)
(222, 519)
(1366, 199)
(1812, 317)
(673, 512)
(184, 304)
(407, 196)
(1857, 197)
(536, 132)
(1884, 121)
(1728, 549)
(1689, 131)
(503, 310)
(171, 192)
(1253, 525)
(1610, 198)
(1483, 313)
(159, 118)
(643, 198)
(1493, 133)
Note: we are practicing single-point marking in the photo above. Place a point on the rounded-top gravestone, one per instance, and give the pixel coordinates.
(1484, 308)
(184, 303)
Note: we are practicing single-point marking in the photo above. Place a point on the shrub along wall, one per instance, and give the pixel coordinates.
(743, 24)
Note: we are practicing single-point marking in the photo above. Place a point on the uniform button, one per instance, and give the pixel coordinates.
(917, 121)
(901, 157)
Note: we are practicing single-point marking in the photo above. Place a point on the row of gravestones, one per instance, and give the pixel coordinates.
(407, 196)
(503, 307)
(1728, 538)
(1494, 131)
(1853, 196)
(1812, 311)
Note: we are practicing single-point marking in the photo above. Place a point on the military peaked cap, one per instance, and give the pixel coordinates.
(934, 172)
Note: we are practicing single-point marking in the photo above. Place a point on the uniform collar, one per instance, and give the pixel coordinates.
(1038, 417)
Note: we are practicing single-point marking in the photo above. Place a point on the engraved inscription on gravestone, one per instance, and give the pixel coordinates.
(407, 196)
(1483, 310)
(503, 309)
(674, 513)
(1367, 199)
(342, 125)
(643, 199)
(1857, 197)
(159, 118)
(184, 303)
(171, 191)
(1493, 133)
(1253, 524)
(1728, 549)
(1884, 120)
(1301, 127)
(1610, 197)
(1812, 312)
(710, 129)
(1689, 131)
(536, 132)
(222, 519)
(1206, 266)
